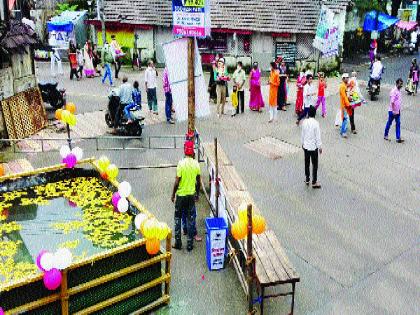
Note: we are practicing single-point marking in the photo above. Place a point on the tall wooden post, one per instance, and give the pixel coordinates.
(191, 86)
(216, 180)
(250, 260)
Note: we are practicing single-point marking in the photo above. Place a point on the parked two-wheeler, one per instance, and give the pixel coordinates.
(52, 95)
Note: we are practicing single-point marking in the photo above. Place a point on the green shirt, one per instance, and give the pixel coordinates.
(187, 170)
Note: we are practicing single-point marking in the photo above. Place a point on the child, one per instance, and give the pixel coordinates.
(136, 96)
(322, 85)
(80, 61)
(234, 99)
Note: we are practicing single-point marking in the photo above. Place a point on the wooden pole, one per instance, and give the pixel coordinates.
(216, 179)
(68, 135)
(64, 295)
(191, 86)
(250, 260)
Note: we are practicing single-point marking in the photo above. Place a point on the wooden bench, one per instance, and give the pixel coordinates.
(272, 267)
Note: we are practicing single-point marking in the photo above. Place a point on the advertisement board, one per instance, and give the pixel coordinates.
(191, 18)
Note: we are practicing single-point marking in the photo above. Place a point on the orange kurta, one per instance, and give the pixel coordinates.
(344, 99)
(274, 86)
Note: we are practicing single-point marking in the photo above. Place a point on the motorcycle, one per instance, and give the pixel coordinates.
(124, 128)
(374, 89)
(52, 95)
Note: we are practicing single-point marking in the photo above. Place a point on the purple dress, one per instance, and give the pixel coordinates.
(256, 100)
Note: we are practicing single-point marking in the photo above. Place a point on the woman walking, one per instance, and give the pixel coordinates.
(256, 102)
(414, 75)
(274, 82)
(88, 56)
(281, 96)
(73, 61)
(300, 83)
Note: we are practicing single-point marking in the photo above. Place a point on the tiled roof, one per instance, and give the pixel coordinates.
(293, 16)
(17, 37)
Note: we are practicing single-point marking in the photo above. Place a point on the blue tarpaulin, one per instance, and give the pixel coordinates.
(384, 21)
(60, 26)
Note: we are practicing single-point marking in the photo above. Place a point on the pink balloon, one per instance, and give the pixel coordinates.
(52, 279)
(70, 160)
(115, 198)
(38, 260)
(1, 311)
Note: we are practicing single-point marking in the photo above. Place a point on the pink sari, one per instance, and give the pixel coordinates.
(256, 100)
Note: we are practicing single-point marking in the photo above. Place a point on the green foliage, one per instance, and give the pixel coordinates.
(61, 7)
(364, 6)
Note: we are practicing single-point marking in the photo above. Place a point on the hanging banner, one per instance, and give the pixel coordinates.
(191, 18)
(327, 33)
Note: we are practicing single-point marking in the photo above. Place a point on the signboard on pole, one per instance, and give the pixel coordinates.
(191, 18)
(327, 33)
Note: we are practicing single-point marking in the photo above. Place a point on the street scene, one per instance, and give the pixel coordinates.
(209, 157)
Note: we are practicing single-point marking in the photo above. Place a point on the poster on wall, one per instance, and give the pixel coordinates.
(191, 18)
(178, 77)
(288, 52)
(327, 33)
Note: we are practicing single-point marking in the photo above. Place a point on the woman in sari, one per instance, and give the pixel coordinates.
(256, 102)
(300, 83)
(88, 56)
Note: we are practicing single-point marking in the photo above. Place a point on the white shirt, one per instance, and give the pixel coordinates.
(309, 95)
(376, 70)
(150, 78)
(413, 37)
(311, 135)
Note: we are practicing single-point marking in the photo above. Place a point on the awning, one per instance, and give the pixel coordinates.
(60, 27)
(407, 25)
(115, 25)
(384, 21)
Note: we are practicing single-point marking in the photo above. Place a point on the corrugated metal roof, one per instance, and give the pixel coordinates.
(292, 16)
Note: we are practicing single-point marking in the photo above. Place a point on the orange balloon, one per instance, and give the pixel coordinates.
(258, 224)
(71, 107)
(152, 246)
(239, 230)
(2, 171)
(58, 113)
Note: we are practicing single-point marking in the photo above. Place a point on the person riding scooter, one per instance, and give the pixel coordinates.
(125, 94)
(376, 71)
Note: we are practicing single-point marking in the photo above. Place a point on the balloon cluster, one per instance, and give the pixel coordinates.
(107, 170)
(70, 157)
(67, 115)
(239, 228)
(119, 198)
(51, 264)
(153, 230)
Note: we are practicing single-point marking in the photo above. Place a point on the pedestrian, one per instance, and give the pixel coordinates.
(300, 84)
(256, 101)
(394, 111)
(311, 144)
(135, 102)
(150, 79)
(56, 59)
(212, 82)
(185, 193)
(322, 85)
(107, 60)
(221, 77)
(414, 76)
(345, 107)
(234, 100)
(73, 61)
(274, 82)
(80, 61)
(125, 94)
(239, 78)
(88, 57)
(168, 96)
(96, 60)
(309, 97)
(282, 93)
(118, 53)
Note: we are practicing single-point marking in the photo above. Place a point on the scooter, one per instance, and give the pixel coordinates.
(374, 89)
(52, 95)
(124, 128)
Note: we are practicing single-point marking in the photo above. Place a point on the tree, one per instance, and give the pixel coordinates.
(364, 6)
(61, 7)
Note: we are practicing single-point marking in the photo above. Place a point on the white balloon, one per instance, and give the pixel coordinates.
(124, 189)
(64, 151)
(78, 152)
(139, 219)
(63, 258)
(122, 205)
(47, 261)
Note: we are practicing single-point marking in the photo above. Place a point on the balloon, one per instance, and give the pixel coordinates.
(64, 151)
(65, 114)
(148, 230)
(239, 230)
(122, 205)
(78, 152)
(58, 113)
(71, 107)
(52, 279)
(70, 160)
(2, 172)
(258, 224)
(152, 246)
(71, 120)
(104, 176)
(163, 231)
(63, 258)
(139, 219)
(112, 171)
(115, 198)
(103, 163)
(1, 311)
(38, 259)
(124, 189)
(46, 261)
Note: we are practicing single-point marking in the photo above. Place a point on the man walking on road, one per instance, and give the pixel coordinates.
(309, 97)
(168, 96)
(185, 193)
(150, 79)
(394, 111)
(345, 107)
(311, 144)
(239, 79)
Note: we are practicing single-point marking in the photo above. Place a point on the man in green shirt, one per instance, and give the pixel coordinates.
(239, 79)
(185, 193)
